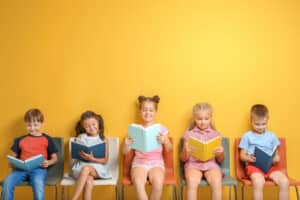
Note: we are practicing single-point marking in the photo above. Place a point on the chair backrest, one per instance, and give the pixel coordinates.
(225, 165)
(167, 155)
(240, 166)
(113, 158)
(57, 170)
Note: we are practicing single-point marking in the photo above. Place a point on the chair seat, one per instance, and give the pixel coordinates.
(225, 181)
(169, 179)
(70, 181)
(292, 181)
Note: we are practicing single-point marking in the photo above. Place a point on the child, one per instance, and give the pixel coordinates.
(195, 169)
(90, 129)
(24, 147)
(267, 141)
(148, 164)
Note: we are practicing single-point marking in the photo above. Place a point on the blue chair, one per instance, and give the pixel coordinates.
(54, 172)
(225, 166)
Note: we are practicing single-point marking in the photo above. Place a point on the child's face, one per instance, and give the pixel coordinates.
(34, 127)
(202, 119)
(259, 124)
(148, 112)
(91, 126)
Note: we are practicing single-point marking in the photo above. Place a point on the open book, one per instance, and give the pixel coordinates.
(28, 164)
(144, 139)
(204, 150)
(98, 149)
(263, 160)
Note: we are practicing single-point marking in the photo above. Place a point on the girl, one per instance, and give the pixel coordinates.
(90, 130)
(148, 164)
(195, 169)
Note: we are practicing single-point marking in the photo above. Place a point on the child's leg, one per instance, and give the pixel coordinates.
(282, 181)
(156, 177)
(139, 178)
(85, 172)
(37, 180)
(10, 183)
(88, 188)
(214, 178)
(258, 181)
(193, 178)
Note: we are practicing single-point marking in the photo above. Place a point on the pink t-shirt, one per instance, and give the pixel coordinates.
(154, 155)
(203, 136)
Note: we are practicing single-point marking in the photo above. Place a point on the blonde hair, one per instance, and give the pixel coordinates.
(200, 107)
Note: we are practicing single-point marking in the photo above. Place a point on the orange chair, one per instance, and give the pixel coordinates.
(169, 171)
(241, 173)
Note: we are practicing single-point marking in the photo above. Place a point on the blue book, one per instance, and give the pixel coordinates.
(98, 150)
(263, 160)
(28, 164)
(144, 139)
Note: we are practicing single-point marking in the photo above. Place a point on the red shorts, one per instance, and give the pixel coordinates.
(250, 169)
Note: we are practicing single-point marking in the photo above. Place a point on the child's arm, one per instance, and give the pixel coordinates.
(47, 163)
(219, 153)
(185, 152)
(164, 140)
(276, 158)
(246, 157)
(127, 142)
(90, 156)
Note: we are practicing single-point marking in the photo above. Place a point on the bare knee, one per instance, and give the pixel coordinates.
(85, 170)
(258, 182)
(157, 183)
(192, 183)
(283, 182)
(89, 182)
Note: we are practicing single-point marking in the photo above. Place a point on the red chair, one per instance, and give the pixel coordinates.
(241, 172)
(169, 171)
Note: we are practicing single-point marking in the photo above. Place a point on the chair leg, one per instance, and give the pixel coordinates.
(242, 192)
(122, 193)
(235, 192)
(62, 193)
(55, 192)
(181, 191)
(174, 192)
(297, 193)
(116, 192)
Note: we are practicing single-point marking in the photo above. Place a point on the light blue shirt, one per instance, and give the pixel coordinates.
(266, 141)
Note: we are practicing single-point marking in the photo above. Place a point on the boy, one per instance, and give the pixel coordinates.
(267, 141)
(24, 147)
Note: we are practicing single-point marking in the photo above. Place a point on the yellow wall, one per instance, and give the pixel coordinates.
(68, 56)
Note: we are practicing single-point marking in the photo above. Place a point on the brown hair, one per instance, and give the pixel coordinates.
(259, 110)
(155, 99)
(86, 115)
(34, 114)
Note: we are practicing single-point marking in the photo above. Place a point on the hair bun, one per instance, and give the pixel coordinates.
(141, 99)
(156, 98)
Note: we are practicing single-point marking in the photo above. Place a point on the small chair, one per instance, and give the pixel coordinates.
(225, 167)
(54, 172)
(169, 171)
(113, 166)
(241, 172)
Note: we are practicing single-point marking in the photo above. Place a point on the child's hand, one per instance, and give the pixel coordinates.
(276, 159)
(45, 164)
(188, 149)
(128, 140)
(219, 150)
(251, 158)
(87, 156)
(162, 138)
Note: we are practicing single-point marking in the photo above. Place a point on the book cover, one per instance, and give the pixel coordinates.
(263, 160)
(28, 164)
(204, 150)
(97, 149)
(144, 139)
